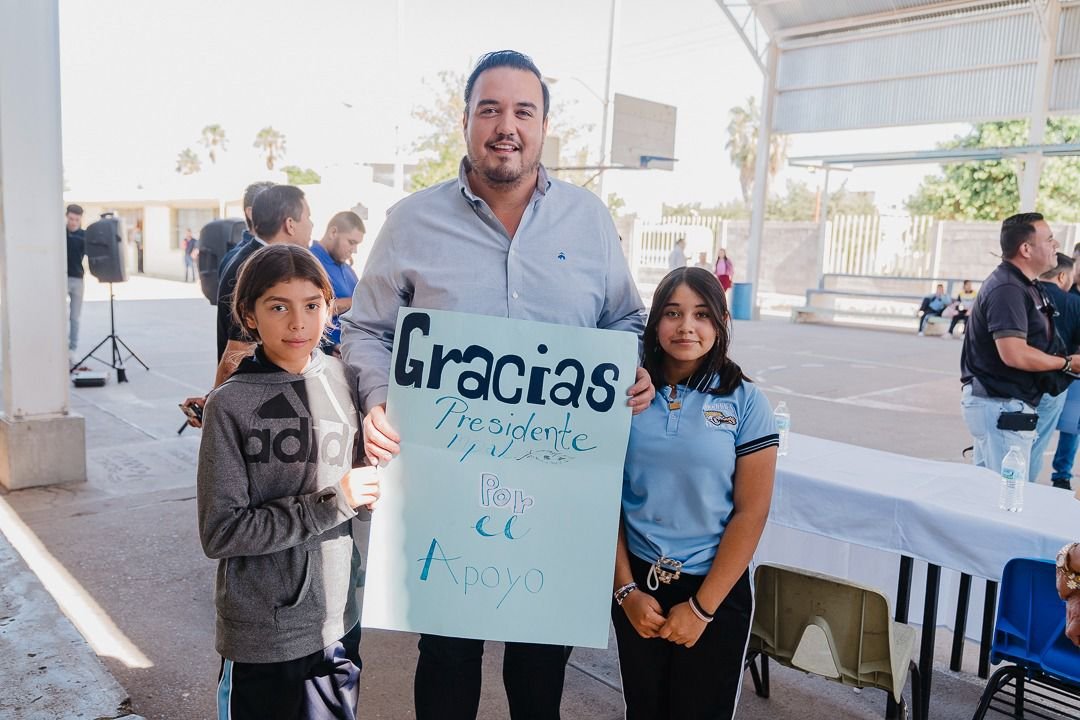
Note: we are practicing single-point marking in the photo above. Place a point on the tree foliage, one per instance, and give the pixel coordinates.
(742, 129)
(187, 162)
(272, 144)
(444, 145)
(213, 137)
(798, 204)
(990, 190)
(300, 176)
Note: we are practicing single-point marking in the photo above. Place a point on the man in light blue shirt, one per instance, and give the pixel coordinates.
(501, 239)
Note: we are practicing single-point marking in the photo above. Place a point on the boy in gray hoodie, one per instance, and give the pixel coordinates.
(275, 508)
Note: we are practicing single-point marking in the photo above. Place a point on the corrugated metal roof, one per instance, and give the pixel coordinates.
(848, 64)
(796, 17)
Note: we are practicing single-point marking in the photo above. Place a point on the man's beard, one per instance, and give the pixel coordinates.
(504, 177)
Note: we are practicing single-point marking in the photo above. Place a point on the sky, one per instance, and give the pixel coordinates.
(139, 81)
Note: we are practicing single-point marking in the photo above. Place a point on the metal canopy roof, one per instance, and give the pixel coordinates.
(851, 64)
(919, 157)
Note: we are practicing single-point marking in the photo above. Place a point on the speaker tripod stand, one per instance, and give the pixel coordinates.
(117, 362)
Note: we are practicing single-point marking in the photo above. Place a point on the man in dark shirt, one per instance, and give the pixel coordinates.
(76, 250)
(280, 214)
(1068, 441)
(1055, 284)
(1007, 344)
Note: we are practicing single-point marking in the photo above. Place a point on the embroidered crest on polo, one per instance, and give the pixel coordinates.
(561, 256)
(719, 414)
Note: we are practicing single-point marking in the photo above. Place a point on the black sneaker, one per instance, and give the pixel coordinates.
(1063, 484)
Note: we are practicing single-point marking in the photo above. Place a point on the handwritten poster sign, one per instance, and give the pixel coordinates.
(498, 519)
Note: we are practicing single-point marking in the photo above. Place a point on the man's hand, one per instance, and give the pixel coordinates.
(380, 438)
(361, 487)
(642, 392)
(643, 612)
(194, 402)
(683, 627)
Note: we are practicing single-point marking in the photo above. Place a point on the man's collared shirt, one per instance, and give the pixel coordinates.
(443, 248)
(342, 279)
(1009, 304)
(1067, 320)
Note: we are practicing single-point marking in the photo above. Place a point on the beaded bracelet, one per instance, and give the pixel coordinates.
(625, 590)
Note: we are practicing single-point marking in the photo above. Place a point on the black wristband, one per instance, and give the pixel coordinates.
(700, 611)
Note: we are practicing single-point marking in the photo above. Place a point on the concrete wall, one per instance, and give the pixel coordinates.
(788, 255)
(968, 249)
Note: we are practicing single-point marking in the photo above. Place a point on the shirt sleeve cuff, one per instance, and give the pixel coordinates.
(761, 443)
(375, 396)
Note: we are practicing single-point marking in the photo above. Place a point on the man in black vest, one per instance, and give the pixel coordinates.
(1010, 356)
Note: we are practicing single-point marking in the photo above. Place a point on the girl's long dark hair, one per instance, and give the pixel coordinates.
(717, 363)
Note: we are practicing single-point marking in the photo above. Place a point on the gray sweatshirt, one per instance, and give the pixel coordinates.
(275, 447)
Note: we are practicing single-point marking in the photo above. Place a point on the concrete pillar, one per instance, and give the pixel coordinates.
(823, 231)
(41, 441)
(761, 179)
(1040, 105)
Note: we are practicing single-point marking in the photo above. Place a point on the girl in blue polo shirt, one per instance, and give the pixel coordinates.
(696, 491)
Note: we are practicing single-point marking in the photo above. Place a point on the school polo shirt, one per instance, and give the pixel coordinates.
(678, 480)
(342, 279)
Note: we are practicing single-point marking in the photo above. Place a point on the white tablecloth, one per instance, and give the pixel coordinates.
(851, 511)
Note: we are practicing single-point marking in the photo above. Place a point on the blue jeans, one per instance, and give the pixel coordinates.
(75, 298)
(1049, 410)
(1064, 457)
(991, 443)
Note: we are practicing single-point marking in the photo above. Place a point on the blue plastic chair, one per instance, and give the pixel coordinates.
(1043, 673)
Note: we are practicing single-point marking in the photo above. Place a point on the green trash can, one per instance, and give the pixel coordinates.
(742, 301)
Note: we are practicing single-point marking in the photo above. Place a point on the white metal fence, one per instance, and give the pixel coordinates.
(891, 245)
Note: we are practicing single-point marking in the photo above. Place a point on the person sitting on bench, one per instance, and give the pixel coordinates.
(932, 305)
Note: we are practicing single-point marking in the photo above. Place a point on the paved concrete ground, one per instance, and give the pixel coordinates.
(128, 536)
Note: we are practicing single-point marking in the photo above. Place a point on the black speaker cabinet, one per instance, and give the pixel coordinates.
(215, 239)
(105, 249)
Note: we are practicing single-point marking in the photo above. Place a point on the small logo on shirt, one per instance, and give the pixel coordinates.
(718, 414)
(561, 256)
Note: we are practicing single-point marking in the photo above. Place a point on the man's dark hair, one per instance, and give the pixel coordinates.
(510, 59)
(250, 193)
(1015, 231)
(345, 221)
(272, 206)
(75, 209)
(1064, 265)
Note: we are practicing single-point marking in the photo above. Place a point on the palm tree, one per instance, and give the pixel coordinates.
(187, 162)
(743, 124)
(271, 142)
(213, 136)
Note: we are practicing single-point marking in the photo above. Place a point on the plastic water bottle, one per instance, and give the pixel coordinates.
(783, 426)
(1013, 477)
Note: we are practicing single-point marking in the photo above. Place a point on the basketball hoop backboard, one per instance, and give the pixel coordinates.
(643, 133)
